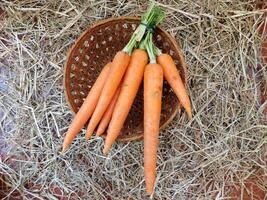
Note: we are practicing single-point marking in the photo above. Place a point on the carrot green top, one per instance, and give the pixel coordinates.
(149, 21)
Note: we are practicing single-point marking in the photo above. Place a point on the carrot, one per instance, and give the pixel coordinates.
(153, 83)
(118, 67)
(107, 115)
(87, 107)
(173, 77)
(131, 82)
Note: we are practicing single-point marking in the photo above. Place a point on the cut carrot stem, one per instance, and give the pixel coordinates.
(107, 115)
(87, 108)
(131, 82)
(173, 77)
(153, 83)
(117, 70)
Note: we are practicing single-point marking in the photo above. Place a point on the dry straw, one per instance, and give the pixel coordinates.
(224, 143)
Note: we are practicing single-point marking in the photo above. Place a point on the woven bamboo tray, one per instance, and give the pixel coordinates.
(96, 47)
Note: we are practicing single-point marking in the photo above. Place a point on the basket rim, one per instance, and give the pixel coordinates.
(136, 136)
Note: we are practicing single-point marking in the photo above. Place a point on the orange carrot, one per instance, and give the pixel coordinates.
(153, 83)
(173, 77)
(131, 82)
(87, 107)
(118, 67)
(107, 115)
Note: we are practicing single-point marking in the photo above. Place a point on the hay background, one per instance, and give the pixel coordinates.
(224, 143)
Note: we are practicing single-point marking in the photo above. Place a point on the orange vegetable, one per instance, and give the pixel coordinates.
(107, 115)
(173, 77)
(153, 83)
(118, 67)
(130, 85)
(87, 107)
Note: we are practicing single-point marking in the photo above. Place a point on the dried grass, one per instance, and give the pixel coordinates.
(224, 143)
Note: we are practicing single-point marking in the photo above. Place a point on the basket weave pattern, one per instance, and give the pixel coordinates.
(96, 47)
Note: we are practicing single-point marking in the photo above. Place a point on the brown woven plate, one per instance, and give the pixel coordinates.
(96, 47)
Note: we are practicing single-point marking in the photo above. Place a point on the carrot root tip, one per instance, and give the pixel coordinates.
(98, 133)
(106, 150)
(87, 136)
(149, 191)
(190, 116)
(64, 148)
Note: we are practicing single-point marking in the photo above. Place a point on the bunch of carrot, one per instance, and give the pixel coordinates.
(112, 95)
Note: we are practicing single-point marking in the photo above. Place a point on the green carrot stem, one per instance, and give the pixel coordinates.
(143, 43)
(157, 51)
(149, 20)
(150, 49)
